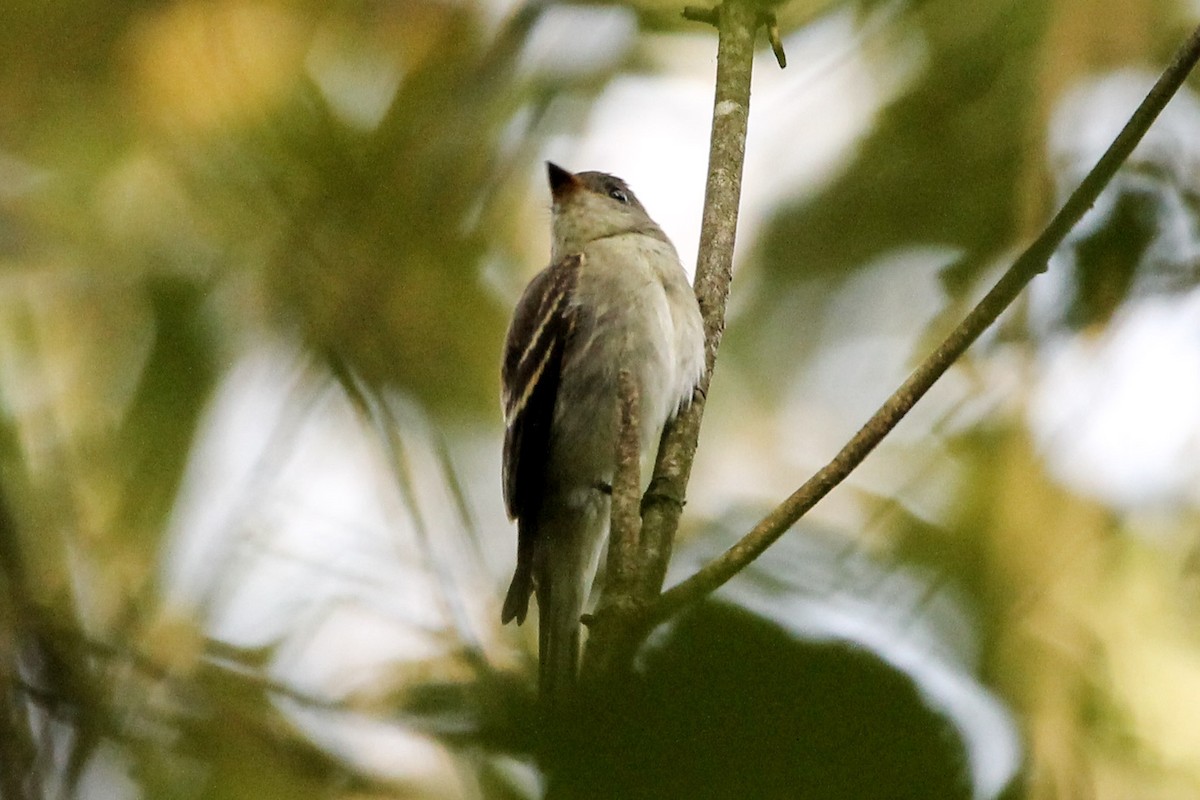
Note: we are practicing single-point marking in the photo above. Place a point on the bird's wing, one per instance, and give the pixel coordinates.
(533, 355)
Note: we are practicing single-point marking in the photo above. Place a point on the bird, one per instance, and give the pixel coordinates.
(614, 297)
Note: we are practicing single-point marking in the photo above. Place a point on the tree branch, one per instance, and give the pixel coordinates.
(1029, 264)
(662, 504)
(640, 549)
(611, 637)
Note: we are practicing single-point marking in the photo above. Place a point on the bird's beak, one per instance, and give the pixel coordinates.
(562, 182)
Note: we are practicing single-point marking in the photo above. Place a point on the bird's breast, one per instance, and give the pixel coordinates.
(634, 310)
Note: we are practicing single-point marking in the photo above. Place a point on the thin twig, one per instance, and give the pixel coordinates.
(709, 16)
(1028, 265)
(767, 19)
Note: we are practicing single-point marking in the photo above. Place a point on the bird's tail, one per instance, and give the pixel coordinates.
(566, 553)
(516, 602)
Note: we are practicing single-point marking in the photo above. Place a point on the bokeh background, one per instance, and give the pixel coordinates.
(256, 261)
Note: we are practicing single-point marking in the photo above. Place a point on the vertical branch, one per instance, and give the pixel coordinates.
(736, 22)
(609, 640)
(626, 518)
(639, 551)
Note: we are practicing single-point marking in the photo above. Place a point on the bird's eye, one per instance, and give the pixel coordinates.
(619, 195)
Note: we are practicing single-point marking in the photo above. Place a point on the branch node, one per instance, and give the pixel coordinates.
(659, 492)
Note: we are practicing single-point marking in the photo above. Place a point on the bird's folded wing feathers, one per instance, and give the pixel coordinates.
(533, 354)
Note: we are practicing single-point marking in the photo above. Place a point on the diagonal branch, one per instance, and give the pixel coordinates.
(1027, 266)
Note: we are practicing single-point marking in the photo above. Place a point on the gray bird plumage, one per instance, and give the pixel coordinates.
(614, 297)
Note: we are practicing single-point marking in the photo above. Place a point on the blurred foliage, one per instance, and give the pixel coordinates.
(256, 259)
(859, 728)
(967, 130)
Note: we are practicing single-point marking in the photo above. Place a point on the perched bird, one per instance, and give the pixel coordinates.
(614, 297)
